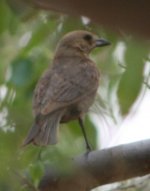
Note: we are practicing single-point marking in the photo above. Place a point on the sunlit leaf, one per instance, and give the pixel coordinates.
(132, 79)
(39, 35)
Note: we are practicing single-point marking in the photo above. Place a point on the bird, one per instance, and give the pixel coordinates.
(67, 89)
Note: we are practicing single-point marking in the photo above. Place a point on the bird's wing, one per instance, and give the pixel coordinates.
(67, 84)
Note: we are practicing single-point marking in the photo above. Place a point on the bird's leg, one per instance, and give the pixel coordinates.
(88, 147)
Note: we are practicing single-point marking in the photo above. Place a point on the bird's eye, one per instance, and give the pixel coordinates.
(87, 37)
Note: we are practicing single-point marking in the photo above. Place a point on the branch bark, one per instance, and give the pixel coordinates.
(123, 16)
(102, 167)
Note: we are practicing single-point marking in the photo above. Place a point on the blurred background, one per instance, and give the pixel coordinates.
(120, 114)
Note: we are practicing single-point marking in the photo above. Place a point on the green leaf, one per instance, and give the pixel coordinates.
(22, 70)
(132, 79)
(36, 171)
(5, 16)
(14, 25)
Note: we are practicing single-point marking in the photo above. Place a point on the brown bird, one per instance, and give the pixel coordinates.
(67, 89)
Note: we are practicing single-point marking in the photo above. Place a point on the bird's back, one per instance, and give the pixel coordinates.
(69, 81)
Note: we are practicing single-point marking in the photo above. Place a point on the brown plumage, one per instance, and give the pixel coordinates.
(67, 89)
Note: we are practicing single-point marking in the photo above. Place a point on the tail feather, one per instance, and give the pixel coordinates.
(45, 130)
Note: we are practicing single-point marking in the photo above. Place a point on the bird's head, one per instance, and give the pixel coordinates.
(80, 42)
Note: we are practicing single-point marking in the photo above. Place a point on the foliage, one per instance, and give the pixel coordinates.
(27, 42)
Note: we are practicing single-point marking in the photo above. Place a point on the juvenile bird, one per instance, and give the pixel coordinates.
(67, 89)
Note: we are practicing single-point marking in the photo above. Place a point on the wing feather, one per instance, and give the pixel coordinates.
(65, 85)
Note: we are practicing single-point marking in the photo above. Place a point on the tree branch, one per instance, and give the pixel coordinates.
(123, 16)
(102, 167)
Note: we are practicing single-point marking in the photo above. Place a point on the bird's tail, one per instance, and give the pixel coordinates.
(45, 130)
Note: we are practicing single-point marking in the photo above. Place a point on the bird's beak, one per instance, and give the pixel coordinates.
(102, 42)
